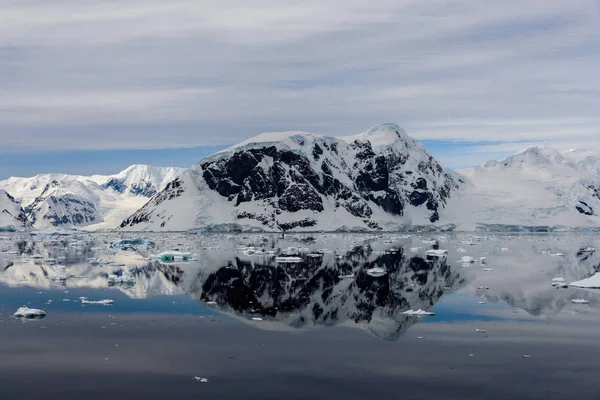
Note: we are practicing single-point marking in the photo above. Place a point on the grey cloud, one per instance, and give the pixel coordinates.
(149, 74)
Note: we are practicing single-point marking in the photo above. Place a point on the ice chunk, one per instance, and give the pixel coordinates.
(105, 302)
(376, 272)
(288, 259)
(480, 331)
(172, 256)
(559, 283)
(580, 301)
(201, 380)
(467, 260)
(592, 282)
(25, 312)
(419, 313)
(133, 244)
(436, 253)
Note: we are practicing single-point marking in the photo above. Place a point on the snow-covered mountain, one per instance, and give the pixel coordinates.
(12, 216)
(98, 201)
(537, 187)
(379, 179)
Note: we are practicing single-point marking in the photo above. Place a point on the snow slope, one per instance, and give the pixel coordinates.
(379, 179)
(12, 216)
(94, 202)
(537, 187)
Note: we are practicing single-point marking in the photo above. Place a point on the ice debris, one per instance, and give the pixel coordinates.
(419, 313)
(25, 312)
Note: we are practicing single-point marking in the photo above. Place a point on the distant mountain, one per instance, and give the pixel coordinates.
(537, 187)
(379, 179)
(12, 216)
(99, 201)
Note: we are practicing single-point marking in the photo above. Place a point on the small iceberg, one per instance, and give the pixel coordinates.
(349, 276)
(290, 260)
(105, 302)
(419, 313)
(30, 313)
(172, 256)
(559, 283)
(580, 301)
(436, 253)
(132, 244)
(467, 260)
(376, 272)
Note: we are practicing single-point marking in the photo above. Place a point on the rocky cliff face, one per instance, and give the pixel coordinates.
(380, 179)
(12, 216)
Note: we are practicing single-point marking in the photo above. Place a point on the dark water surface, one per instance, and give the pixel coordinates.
(326, 327)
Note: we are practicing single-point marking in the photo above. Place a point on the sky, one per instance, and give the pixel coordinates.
(96, 86)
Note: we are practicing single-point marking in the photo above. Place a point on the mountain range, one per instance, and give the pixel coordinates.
(381, 179)
(50, 201)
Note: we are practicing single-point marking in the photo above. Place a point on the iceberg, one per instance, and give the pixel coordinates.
(288, 259)
(25, 312)
(592, 282)
(419, 313)
(376, 272)
(172, 256)
(105, 302)
(436, 253)
(580, 301)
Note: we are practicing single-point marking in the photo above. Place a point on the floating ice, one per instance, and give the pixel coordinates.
(376, 272)
(201, 380)
(419, 313)
(580, 301)
(172, 256)
(25, 312)
(592, 282)
(105, 302)
(467, 260)
(559, 283)
(480, 331)
(288, 259)
(436, 253)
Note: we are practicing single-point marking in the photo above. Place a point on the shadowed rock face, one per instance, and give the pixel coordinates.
(270, 182)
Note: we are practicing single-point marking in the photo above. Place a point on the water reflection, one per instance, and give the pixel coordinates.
(362, 281)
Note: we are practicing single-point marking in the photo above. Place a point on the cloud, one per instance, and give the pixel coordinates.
(152, 74)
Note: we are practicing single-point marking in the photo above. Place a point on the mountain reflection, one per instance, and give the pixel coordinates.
(332, 290)
(293, 283)
(352, 283)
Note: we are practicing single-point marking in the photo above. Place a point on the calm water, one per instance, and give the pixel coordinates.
(330, 325)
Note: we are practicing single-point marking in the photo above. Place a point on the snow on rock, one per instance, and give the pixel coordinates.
(67, 201)
(379, 179)
(25, 312)
(12, 216)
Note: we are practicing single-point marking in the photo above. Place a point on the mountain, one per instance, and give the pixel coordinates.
(537, 187)
(12, 216)
(98, 201)
(379, 179)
